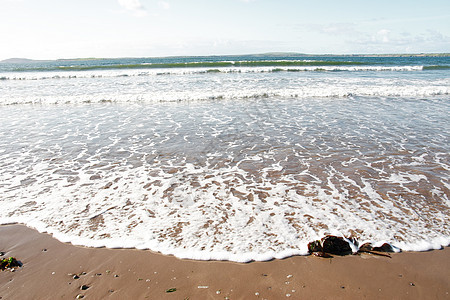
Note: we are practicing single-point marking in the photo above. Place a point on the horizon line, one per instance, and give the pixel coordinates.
(274, 53)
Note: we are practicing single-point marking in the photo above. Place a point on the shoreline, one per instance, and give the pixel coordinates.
(50, 270)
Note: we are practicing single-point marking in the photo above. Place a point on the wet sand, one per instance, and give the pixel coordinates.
(55, 270)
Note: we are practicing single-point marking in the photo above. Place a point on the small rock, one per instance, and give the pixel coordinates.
(171, 290)
(84, 287)
(315, 247)
(335, 245)
(322, 254)
(79, 296)
(76, 276)
(412, 284)
(98, 274)
(384, 248)
(367, 247)
(83, 273)
(116, 275)
(2, 253)
(44, 250)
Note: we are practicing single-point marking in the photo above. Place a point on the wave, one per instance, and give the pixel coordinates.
(194, 64)
(437, 67)
(92, 73)
(318, 92)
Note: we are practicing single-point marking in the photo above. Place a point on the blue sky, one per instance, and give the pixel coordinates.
(50, 29)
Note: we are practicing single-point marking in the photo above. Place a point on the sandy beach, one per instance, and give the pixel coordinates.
(55, 270)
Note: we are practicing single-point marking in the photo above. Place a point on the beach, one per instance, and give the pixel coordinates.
(209, 177)
(49, 268)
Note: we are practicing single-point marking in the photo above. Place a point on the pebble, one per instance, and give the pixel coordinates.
(79, 296)
(203, 286)
(84, 287)
(76, 276)
(412, 284)
(289, 276)
(116, 275)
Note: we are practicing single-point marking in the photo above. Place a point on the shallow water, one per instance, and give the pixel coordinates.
(227, 175)
(239, 180)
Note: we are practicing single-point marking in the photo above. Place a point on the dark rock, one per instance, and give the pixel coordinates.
(384, 248)
(367, 247)
(335, 245)
(322, 254)
(76, 276)
(171, 290)
(84, 287)
(315, 247)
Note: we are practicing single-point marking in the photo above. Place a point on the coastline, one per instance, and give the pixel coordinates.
(50, 270)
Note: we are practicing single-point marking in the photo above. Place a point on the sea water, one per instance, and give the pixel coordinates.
(230, 158)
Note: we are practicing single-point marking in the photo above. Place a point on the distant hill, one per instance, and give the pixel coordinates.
(18, 60)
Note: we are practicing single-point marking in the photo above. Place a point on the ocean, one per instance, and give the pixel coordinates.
(241, 158)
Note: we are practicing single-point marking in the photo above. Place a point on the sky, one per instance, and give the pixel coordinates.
(54, 29)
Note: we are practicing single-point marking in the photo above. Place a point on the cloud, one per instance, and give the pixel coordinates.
(134, 6)
(382, 36)
(164, 5)
(332, 29)
(385, 40)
